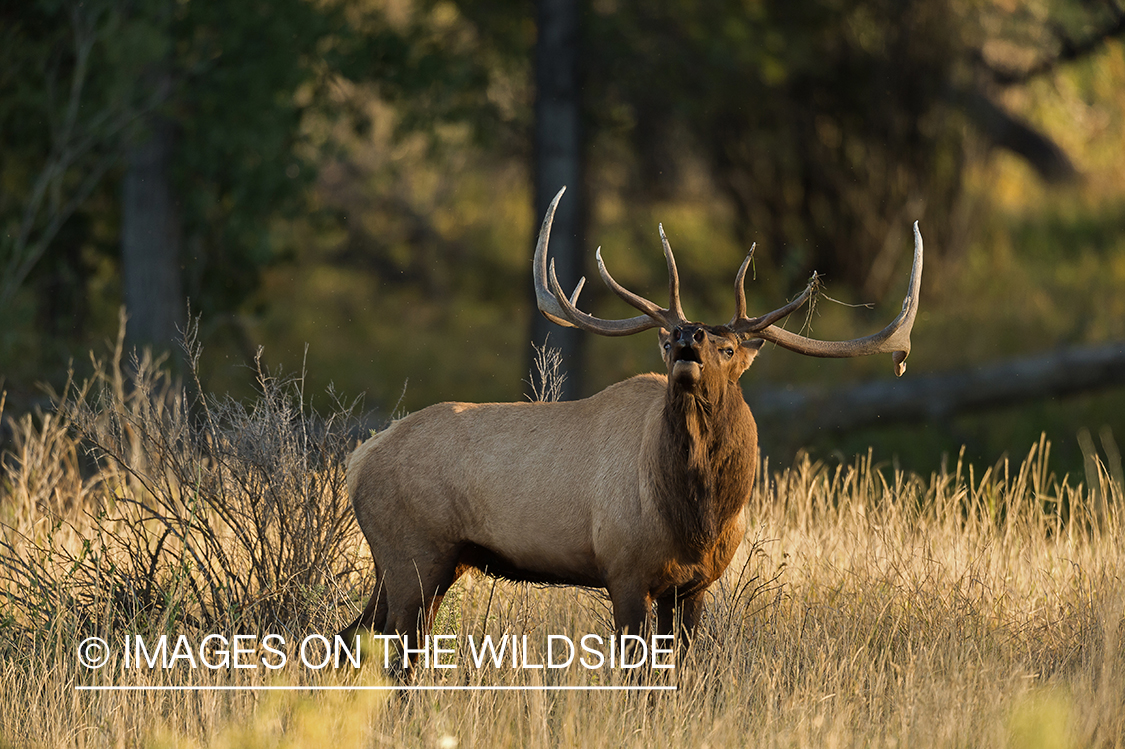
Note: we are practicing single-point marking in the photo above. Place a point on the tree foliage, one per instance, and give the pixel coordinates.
(829, 125)
(236, 83)
(66, 97)
(393, 141)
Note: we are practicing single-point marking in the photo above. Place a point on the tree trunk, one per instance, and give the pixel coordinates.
(150, 241)
(558, 162)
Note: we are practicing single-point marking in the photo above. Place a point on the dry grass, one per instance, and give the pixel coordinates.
(867, 608)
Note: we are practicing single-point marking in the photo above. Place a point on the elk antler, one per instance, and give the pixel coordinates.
(557, 307)
(893, 339)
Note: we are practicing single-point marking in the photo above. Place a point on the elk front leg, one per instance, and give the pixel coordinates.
(631, 610)
(684, 608)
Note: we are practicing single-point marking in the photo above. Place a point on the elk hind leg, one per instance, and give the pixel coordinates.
(414, 601)
(374, 614)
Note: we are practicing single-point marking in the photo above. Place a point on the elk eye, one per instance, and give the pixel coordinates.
(728, 352)
(667, 346)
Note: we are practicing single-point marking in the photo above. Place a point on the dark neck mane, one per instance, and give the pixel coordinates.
(704, 469)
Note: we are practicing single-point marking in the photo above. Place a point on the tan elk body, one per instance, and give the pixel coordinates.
(640, 489)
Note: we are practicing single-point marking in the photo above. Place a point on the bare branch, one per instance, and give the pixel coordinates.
(1069, 50)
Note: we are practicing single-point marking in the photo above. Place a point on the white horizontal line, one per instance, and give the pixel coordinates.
(372, 688)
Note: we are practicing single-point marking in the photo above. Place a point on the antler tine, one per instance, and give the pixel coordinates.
(577, 291)
(742, 324)
(670, 317)
(673, 279)
(548, 303)
(740, 287)
(746, 325)
(893, 339)
(578, 319)
(555, 305)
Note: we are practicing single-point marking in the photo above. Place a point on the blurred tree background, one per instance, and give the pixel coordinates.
(355, 185)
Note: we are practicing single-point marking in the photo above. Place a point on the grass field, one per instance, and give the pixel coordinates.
(867, 607)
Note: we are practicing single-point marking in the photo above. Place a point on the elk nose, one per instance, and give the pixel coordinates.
(686, 337)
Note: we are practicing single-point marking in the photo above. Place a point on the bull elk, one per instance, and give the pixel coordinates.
(639, 489)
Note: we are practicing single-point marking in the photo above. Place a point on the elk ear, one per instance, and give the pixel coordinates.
(749, 351)
(665, 339)
(754, 345)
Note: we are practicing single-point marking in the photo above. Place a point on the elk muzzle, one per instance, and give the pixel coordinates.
(686, 358)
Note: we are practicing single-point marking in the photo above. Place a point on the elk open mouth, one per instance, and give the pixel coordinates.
(688, 354)
(687, 366)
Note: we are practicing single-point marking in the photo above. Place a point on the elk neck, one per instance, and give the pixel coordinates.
(705, 464)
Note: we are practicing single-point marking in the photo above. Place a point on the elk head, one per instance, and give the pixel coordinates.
(705, 358)
(702, 357)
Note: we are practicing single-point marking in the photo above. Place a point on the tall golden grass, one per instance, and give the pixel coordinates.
(867, 607)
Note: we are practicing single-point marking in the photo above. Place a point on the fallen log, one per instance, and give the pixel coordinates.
(807, 411)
